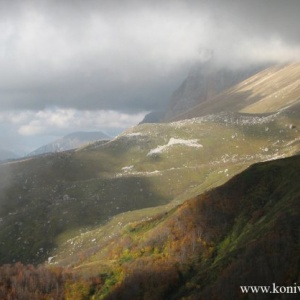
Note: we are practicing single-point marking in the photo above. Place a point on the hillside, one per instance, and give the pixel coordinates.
(203, 83)
(268, 91)
(245, 232)
(71, 141)
(119, 207)
(47, 200)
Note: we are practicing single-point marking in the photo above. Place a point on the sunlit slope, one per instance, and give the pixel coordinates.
(49, 199)
(173, 162)
(245, 232)
(268, 91)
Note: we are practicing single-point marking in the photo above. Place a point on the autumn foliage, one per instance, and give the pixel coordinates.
(245, 232)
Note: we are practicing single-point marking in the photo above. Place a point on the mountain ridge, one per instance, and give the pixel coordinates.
(203, 83)
(7, 154)
(71, 141)
(270, 90)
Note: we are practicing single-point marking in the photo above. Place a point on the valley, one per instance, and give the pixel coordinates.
(178, 202)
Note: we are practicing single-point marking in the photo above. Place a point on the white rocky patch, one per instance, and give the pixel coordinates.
(127, 168)
(172, 142)
(132, 134)
(50, 259)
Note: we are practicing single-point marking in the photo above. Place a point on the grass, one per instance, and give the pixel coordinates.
(242, 221)
(57, 197)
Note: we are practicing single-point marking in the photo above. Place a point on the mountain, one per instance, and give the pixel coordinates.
(203, 83)
(216, 245)
(153, 117)
(159, 212)
(71, 141)
(7, 154)
(243, 233)
(153, 166)
(268, 91)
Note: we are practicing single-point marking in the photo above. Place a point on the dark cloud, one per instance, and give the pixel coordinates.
(102, 64)
(268, 17)
(130, 55)
(85, 57)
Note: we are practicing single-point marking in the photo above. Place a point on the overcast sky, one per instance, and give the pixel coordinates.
(101, 65)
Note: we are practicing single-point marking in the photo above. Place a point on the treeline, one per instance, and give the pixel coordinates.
(28, 282)
(18, 281)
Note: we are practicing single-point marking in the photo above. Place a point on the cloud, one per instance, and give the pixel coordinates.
(121, 58)
(129, 56)
(33, 128)
(59, 121)
(97, 59)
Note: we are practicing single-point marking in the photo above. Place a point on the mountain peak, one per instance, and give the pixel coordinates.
(71, 141)
(7, 154)
(268, 91)
(204, 81)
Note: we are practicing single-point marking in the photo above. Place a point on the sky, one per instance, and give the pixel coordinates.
(86, 65)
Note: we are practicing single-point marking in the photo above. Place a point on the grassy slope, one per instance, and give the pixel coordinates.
(238, 147)
(268, 91)
(48, 200)
(112, 208)
(245, 232)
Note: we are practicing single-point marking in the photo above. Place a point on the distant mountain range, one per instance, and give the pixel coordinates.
(71, 141)
(7, 154)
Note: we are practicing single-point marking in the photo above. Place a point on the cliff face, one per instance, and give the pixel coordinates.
(205, 81)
